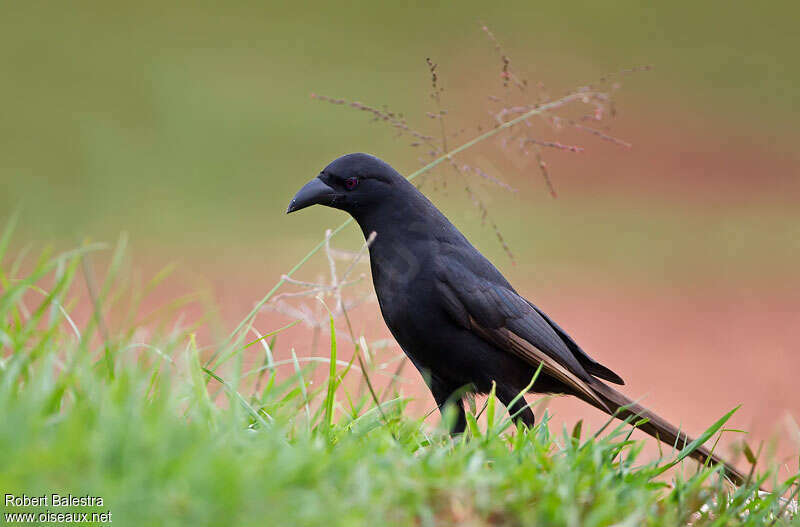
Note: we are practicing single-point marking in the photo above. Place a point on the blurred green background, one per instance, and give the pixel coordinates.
(189, 125)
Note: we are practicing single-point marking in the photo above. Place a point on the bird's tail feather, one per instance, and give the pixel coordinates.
(659, 428)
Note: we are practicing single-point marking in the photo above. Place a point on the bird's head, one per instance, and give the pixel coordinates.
(353, 183)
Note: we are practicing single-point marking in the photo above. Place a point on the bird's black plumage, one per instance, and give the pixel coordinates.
(453, 313)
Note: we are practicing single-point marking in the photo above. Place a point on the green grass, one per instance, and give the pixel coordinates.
(136, 413)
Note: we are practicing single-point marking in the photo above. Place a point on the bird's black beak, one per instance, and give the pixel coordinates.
(315, 192)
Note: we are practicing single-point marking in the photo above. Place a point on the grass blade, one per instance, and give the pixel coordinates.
(691, 447)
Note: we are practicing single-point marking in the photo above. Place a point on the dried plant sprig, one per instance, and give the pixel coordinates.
(318, 319)
(506, 73)
(395, 120)
(545, 173)
(602, 135)
(484, 212)
(608, 77)
(436, 95)
(501, 115)
(486, 176)
(602, 102)
(553, 144)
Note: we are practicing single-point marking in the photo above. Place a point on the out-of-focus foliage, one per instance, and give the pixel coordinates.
(181, 120)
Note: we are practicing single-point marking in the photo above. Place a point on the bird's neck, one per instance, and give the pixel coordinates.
(402, 221)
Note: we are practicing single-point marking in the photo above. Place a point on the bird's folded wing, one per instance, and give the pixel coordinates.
(499, 315)
(588, 363)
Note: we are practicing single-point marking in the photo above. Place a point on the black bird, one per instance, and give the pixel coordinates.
(454, 315)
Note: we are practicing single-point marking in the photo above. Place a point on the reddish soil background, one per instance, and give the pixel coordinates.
(691, 356)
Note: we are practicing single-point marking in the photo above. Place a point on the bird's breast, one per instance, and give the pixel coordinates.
(404, 293)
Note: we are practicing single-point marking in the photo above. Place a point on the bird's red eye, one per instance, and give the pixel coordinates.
(351, 183)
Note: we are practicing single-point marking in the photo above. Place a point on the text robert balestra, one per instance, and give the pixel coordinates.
(52, 500)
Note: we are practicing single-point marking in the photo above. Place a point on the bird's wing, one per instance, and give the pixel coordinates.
(588, 363)
(495, 312)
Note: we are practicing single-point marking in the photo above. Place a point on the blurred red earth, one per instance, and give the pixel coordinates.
(691, 355)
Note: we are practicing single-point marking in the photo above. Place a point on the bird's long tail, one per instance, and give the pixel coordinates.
(659, 428)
